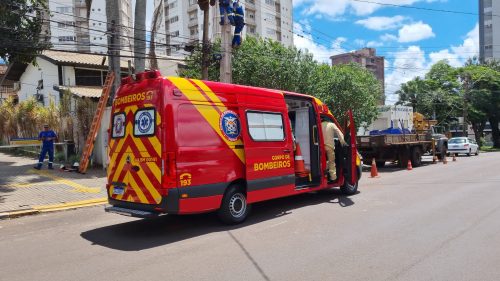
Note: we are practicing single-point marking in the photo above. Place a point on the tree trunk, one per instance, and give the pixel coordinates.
(478, 131)
(140, 35)
(495, 132)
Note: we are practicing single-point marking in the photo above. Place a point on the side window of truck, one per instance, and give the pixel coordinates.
(265, 126)
(145, 122)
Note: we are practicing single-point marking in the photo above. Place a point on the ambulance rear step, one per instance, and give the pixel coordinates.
(131, 212)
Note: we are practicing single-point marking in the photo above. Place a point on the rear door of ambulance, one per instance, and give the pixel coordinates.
(268, 146)
(135, 147)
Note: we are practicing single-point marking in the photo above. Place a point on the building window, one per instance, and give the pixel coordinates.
(193, 2)
(172, 5)
(64, 9)
(67, 38)
(193, 31)
(174, 34)
(174, 19)
(193, 15)
(270, 31)
(270, 2)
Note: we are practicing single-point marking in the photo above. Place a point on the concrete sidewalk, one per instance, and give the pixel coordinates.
(24, 190)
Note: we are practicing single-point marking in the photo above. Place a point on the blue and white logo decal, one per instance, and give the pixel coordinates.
(144, 122)
(230, 125)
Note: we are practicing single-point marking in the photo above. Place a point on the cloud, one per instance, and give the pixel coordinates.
(388, 37)
(382, 23)
(341, 7)
(303, 40)
(413, 61)
(415, 32)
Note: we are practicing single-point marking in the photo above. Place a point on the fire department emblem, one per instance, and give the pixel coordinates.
(230, 125)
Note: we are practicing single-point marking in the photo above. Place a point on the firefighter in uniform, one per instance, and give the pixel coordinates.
(47, 137)
(239, 21)
(225, 7)
(330, 131)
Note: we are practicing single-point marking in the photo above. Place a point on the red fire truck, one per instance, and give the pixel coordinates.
(185, 146)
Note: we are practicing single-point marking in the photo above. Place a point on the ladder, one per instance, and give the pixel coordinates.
(96, 123)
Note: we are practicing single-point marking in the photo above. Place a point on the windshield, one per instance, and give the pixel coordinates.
(456, 141)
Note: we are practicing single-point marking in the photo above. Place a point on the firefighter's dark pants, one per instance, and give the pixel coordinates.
(226, 9)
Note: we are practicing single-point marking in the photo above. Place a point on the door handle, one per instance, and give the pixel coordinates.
(286, 150)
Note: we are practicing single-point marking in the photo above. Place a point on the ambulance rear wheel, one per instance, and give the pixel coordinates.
(234, 208)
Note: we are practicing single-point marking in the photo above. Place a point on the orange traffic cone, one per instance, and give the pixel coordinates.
(454, 157)
(409, 166)
(373, 171)
(300, 169)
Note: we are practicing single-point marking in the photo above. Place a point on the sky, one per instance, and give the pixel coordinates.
(411, 40)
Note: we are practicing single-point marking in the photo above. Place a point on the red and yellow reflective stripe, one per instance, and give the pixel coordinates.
(211, 114)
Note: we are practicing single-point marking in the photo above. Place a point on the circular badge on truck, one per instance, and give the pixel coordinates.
(230, 125)
(145, 122)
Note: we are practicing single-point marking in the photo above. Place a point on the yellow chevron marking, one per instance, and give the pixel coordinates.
(149, 186)
(210, 114)
(138, 191)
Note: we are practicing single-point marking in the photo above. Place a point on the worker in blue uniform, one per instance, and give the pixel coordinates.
(225, 7)
(47, 137)
(239, 22)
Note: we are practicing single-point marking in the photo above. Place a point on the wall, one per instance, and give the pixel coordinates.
(101, 143)
(29, 81)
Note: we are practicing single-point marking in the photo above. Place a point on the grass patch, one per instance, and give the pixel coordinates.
(489, 149)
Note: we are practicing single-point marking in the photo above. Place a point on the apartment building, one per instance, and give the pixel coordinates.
(73, 27)
(264, 18)
(489, 29)
(367, 58)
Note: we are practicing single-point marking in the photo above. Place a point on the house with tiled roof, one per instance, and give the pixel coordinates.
(56, 71)
(82, 74)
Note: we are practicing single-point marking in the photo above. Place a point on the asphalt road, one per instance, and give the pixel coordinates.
(438, 222)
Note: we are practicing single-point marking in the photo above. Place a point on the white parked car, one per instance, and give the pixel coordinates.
(463, 145)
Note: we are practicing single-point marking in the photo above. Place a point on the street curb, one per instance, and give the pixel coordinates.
(70, 205)
(53, 208)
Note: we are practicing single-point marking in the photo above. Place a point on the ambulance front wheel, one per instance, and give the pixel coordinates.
(234, 208)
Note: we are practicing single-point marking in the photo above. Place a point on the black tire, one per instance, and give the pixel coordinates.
(349, 189)
(469, 153)
(380, 164)
(416, 157)
(234, 208)
(403, 157)
(477, 151)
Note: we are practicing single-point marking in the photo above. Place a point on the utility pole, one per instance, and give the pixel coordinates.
(205, 62)
(114, 44)
(140, 35)
(226, 69)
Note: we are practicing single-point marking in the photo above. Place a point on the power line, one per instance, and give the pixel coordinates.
(423, 8)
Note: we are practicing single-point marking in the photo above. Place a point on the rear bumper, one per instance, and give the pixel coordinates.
(169, 205)
(131, 212)
(458, 150)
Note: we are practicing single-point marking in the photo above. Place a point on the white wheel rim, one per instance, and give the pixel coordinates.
(237, 205)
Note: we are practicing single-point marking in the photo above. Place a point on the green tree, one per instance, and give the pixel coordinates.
(481, 85)
(436, 95)
(21, 25)
(268, 64)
